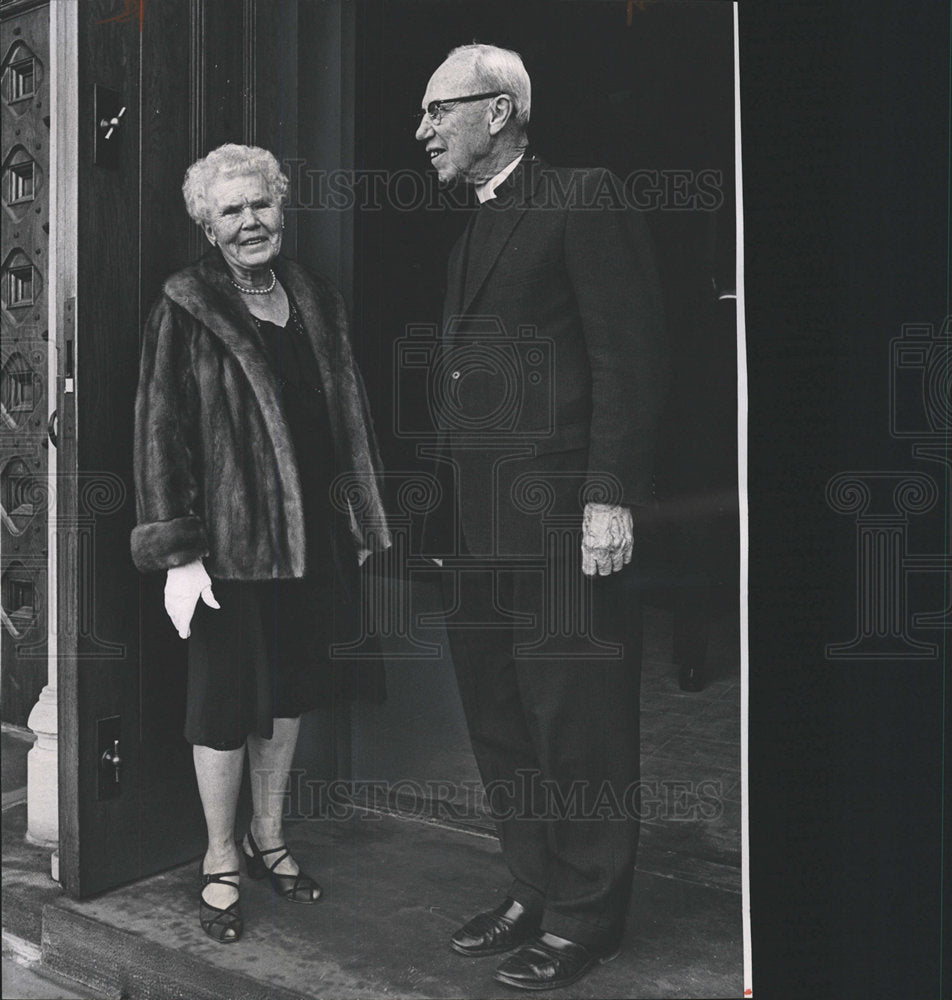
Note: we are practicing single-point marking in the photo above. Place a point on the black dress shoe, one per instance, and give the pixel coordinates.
(496, 931)
(548, 962)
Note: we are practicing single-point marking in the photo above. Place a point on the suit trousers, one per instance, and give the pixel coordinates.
(552, 705)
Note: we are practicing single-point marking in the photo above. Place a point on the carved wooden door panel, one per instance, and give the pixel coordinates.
(24, 395)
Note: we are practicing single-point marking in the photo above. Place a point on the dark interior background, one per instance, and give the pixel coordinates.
(846, 212)
(846, 229)
(655, 95)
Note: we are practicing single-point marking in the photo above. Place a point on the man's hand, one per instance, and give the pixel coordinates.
(183, 587)
(607, 539)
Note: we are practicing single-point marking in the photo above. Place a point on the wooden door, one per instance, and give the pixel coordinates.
(181, 77)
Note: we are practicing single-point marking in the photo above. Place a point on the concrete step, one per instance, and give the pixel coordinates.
(394, 891)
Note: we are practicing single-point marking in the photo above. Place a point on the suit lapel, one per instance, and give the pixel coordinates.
(456, 273)
(513, 198)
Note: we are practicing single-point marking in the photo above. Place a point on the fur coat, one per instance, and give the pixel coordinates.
(215, 471)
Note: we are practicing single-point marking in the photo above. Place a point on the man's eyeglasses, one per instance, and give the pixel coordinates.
(436, 109)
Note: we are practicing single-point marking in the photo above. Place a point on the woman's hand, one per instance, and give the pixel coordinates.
(183, 587)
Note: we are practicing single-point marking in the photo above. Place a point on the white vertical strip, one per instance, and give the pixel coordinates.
(742, 511)
(42, 760)
(64, 144)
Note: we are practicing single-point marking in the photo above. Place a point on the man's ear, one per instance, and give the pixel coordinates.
(500, 113)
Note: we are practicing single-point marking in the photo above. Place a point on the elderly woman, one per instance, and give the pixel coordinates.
(249, 404)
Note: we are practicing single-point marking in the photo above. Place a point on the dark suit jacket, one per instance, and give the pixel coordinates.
(553, 357)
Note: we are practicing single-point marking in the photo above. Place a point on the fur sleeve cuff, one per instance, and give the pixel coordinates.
(164, 544)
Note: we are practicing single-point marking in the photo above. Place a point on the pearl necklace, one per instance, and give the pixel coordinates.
(257, 291)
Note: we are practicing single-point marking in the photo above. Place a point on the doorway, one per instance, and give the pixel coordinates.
(646, 90)
(329, 86)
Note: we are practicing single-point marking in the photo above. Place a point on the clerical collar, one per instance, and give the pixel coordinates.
(487, 190)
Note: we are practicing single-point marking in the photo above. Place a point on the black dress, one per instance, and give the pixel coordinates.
(264, 654)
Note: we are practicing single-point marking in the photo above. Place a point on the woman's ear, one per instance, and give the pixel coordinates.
(209, 233)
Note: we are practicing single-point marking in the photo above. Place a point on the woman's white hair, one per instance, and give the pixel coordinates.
(230, 160)
(499, 69)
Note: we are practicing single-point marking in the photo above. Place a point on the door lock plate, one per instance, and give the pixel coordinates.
(108, 732)
(109, 112)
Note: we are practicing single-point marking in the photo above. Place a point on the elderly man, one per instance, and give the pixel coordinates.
(547, 391)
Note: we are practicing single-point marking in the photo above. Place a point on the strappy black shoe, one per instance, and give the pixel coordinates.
(298, 888)
(217, 922)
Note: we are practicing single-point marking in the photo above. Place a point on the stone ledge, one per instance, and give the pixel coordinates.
(121, 965)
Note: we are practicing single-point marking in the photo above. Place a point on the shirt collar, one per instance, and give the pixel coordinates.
(487, 190)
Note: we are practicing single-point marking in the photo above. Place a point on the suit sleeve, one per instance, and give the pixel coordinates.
(169, 530)
(611, 266)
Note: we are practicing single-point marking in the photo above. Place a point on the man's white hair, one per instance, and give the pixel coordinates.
(499, 69)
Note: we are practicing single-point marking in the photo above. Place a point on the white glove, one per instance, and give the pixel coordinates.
(183, 587)
(607, 538)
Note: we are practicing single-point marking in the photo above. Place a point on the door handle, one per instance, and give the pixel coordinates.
(111, 757)
(108, 734)
(51, 428)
